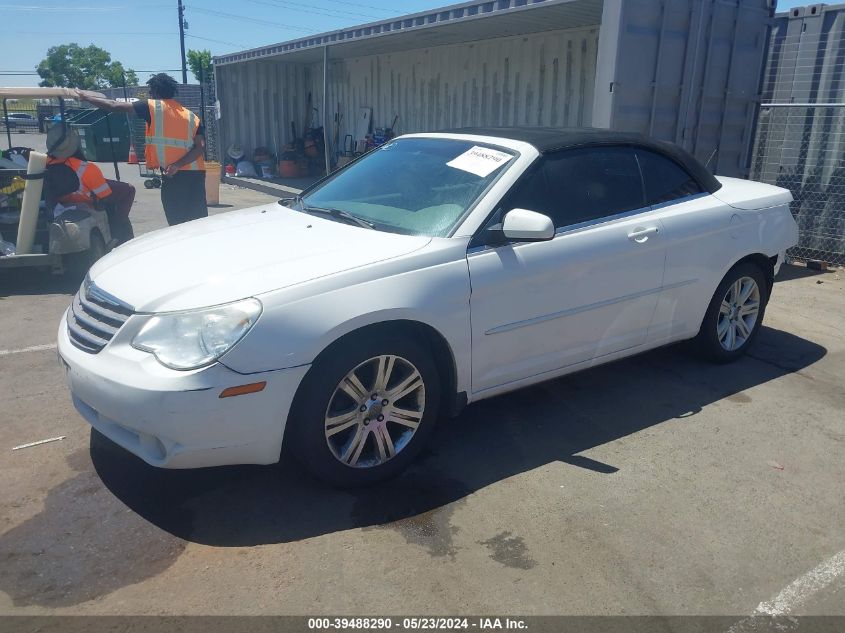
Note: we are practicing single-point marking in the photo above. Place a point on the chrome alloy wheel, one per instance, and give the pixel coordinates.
(375, 411)
(738, 313)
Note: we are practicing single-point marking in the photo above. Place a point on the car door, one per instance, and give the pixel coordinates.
(589, 292)
(698, 239)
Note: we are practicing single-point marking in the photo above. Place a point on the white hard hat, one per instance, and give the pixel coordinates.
(62, 142)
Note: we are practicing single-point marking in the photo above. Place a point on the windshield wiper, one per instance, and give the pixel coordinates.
(339, 214)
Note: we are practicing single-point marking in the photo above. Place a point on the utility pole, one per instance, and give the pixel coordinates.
(182, 41)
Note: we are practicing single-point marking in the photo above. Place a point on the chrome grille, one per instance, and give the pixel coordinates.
(94, 318)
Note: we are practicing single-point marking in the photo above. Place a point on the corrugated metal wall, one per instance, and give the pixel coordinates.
(540, 79)
(806, 66)
(685, 71)
(259, 100)
(801, 130)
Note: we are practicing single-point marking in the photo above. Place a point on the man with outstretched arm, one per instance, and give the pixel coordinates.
(175, 143)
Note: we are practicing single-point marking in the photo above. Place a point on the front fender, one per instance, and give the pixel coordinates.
(293, 333)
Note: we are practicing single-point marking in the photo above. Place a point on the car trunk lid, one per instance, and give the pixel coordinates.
(751, 195)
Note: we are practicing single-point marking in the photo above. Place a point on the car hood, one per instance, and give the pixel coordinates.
(239, 254)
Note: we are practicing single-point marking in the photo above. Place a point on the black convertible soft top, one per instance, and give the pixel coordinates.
(551, 139)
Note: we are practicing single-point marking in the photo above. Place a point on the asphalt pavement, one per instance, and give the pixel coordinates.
(657, 485)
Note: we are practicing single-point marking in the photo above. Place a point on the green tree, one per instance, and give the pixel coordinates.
(201, 61)
(117, 72)
(88, 68)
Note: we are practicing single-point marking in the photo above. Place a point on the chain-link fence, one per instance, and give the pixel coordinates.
(802, 148)
(800, 136)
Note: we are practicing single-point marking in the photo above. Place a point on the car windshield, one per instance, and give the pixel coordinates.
(416, 186)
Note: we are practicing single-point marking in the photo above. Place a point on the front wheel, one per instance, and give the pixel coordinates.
(364, 411)
(734, 315)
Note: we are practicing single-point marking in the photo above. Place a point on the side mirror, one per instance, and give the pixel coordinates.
(522, 225)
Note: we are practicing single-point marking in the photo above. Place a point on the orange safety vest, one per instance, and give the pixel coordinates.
(92, 184)
(170, 134)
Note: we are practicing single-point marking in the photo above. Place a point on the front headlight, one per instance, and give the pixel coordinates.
(187, 340)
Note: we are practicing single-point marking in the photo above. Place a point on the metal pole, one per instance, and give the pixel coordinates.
(129, 121)
(218, 139)
(326, 151)
(111, 147)
(6, 118)
(123, 81)
(65, 127)
(202, 111)
(182, 41)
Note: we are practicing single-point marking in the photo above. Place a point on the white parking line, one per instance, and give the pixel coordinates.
(797, 592)
(34, 348)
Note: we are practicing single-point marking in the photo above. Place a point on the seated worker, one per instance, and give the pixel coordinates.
(94, 189)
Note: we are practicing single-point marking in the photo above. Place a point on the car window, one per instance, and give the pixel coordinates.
(664, 179)
(417, 186)
(579, 185)
(530, 192)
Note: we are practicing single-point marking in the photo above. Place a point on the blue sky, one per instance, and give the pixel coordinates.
(144, 35)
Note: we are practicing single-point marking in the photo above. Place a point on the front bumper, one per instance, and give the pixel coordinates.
(176, 419)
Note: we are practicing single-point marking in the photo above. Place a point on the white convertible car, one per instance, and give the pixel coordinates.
(436, 271)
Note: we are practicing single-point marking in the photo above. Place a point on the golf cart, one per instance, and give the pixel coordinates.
(63, 239)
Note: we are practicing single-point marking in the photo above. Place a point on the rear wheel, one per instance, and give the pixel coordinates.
(364, 411)
(734, 315)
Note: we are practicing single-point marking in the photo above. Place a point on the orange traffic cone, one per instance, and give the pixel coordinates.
(133, 157)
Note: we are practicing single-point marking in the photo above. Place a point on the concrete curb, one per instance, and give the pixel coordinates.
(270, 188)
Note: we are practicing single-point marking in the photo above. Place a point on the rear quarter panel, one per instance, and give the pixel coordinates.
(706, 237)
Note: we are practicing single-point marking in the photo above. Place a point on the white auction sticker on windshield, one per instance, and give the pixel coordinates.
(481, 161)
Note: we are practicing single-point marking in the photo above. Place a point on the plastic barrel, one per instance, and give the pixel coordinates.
(212, 183)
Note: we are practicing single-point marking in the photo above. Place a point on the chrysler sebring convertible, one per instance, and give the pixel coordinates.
(438, 270)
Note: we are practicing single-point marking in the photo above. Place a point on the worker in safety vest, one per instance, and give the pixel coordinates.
(94, 189)
(175, 143)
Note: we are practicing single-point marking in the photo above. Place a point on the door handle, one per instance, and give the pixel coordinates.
(640, 234)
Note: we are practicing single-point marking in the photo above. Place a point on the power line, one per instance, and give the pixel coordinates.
(15, 7)
(360, 6)
(243, 18)
(73, 9)
(366, 6)
(145, 33)
(331, 13)
(209, 39)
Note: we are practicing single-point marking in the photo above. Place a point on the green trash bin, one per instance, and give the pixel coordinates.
(103, 136)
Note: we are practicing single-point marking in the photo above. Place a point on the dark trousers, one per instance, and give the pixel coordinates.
(183, 196)
(122, 196)
(118, 206)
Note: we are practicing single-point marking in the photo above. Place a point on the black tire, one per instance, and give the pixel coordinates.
(707, 341)
(306, 436)
(77, 264)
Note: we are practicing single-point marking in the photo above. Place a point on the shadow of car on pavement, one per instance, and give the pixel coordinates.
(492, 440)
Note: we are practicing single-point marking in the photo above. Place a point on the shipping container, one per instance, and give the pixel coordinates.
(687, 71)
(801, 127)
